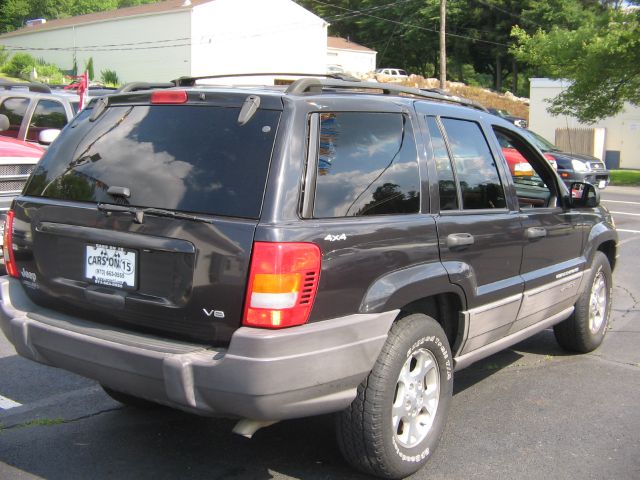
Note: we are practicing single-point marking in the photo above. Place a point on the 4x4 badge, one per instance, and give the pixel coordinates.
(214, 313)
(335, 238)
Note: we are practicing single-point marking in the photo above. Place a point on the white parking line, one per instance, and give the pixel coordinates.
(626, 213)
(627, 231)
(7, 403)
(621, 201)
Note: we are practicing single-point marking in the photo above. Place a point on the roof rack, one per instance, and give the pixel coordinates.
(137, 86)
(32, 86)
(191, 81)
(316, 85)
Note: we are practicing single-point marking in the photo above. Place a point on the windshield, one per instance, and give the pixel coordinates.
(540, 142)
(187, 158)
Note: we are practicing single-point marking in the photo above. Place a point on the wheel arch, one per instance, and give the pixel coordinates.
(422, 289)
(610, 249)
(603, 238)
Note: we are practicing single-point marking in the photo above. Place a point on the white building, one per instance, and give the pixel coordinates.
(350, 56)
(166, 40)
(621, 132)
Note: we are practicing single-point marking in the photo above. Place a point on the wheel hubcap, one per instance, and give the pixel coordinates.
(416, 398)
(598, 303)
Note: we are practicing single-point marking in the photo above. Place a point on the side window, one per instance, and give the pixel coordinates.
(530, 177)
(14, 108)
(446, 180)
(366, 165)
(476, 169)
(48, 114)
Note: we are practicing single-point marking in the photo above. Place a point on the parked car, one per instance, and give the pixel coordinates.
(326, 248)
(17, 161)
(573, 167)
(517, 121)
(391, 75)
(518, 165)
(34, 107)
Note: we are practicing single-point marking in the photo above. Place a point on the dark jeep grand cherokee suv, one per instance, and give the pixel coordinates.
(270, 254)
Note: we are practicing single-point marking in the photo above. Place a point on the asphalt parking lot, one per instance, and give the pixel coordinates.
(529, 412)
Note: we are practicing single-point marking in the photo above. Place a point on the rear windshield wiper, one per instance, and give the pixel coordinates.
(139, 213)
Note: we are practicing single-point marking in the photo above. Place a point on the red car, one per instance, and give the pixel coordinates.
(518, 165)
(17, 161)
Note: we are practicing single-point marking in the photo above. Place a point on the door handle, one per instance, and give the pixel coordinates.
(535, 232)
(459, 240)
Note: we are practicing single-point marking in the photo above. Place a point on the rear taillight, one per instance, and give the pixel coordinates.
(169, 97)
(283, 280)
(7, 245)
(522, 169)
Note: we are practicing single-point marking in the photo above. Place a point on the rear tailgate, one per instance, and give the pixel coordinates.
(178, 271)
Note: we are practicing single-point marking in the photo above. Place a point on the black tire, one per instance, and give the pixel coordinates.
(367, 435)
(130, 400)
(582, 332)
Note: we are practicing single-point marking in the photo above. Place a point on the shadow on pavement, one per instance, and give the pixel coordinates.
(168, 444)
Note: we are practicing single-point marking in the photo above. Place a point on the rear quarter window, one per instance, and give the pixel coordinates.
(366, 165)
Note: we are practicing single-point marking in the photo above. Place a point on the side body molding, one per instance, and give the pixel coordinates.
(399, 288)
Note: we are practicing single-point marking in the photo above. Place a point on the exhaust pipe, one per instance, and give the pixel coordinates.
(247, 427)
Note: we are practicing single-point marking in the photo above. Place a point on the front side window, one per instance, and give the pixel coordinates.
(475, 166)
(366, 165)
(530, 178)
(48, 114)
(14, 108)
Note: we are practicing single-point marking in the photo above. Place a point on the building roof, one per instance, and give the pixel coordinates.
(345, 44)
(147, 9)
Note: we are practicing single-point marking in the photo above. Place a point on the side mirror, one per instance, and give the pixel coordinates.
(4, 123)
(47, 136)
(584, 195)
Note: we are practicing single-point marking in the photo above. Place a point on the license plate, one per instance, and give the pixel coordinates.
(111, 266)
(602, 184)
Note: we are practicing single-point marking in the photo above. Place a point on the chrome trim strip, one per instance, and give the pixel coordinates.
(550, 294)
(491, 316)
(465, 360)
(494, 305)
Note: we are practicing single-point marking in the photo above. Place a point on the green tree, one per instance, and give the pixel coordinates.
(405, 35)
(601, 58)
(88, 67)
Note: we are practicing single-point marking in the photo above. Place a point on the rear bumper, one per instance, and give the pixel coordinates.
(263, 375)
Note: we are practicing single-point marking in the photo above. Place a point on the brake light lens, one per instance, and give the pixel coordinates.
(7, 245)
(171, 97)
(283, 280)
(523, 169)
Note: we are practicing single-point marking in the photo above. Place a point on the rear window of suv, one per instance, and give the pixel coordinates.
(177, 157)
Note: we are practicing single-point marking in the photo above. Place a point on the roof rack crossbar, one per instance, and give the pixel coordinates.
(32, 86)
(137, 86)
(191, 81)
(316, 85)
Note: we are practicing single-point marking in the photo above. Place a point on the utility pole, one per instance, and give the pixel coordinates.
(443, 44)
